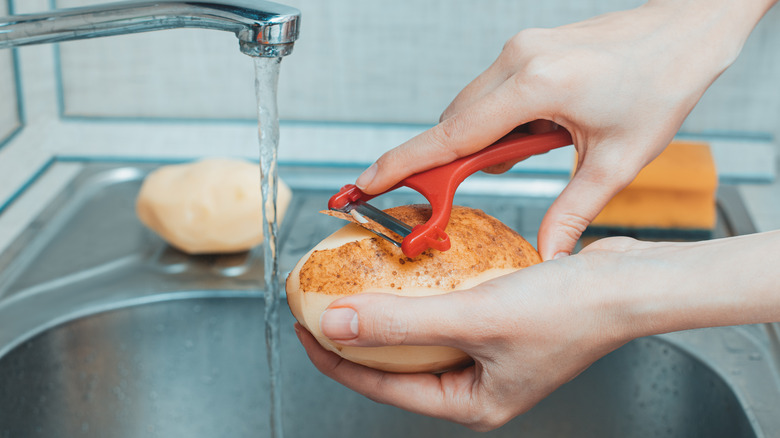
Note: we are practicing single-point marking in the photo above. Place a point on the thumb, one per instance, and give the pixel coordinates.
(380, 319)
(579, 203)
(488, 119)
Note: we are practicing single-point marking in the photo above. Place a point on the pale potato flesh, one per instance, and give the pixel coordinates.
(209, 206)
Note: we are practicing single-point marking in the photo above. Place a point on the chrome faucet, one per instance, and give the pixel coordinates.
(263, 28)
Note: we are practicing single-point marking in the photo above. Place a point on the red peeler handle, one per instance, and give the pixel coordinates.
(439, 184)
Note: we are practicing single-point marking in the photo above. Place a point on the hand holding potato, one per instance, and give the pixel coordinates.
(531, 331)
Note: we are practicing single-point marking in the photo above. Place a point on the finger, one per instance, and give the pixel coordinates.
(541, 126)
(579, 203)
(617, 244)
(372, 320)
(483, 84)
(442, 396)
(533, 127)
(468, 131)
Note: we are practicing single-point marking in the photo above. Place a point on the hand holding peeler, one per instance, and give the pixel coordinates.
(438, 186)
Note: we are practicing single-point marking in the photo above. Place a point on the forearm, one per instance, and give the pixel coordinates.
(737, 18)
(722, 282)
(719, 27)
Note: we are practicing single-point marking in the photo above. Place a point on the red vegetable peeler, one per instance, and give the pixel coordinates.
(438, 186)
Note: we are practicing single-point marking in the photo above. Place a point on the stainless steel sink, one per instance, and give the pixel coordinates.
(196, 368)
(107, 332)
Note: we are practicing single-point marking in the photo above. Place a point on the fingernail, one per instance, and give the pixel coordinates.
(339, 324)
(366, 177)
(561, 255)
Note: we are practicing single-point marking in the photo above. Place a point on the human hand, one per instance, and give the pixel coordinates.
(528, 333)
(534, 330)
(621, 84)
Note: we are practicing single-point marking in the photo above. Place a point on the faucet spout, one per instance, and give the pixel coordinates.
(263, 28)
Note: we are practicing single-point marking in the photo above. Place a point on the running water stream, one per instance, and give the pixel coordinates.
(266, 79)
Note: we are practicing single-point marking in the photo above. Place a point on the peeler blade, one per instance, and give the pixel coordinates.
(361, 210)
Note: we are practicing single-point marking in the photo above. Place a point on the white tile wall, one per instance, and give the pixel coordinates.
(356, 61)
(398, 61)
(368, 61)
(9, 116)
(354, 74)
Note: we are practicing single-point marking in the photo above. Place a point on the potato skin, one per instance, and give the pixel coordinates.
(354, 260)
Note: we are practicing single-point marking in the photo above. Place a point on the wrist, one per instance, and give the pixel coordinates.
(681, 286)
(718, 27)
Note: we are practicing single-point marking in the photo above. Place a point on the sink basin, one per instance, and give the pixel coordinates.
(197, 368)
(107, 332)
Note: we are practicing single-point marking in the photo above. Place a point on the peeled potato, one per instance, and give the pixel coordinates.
(209, 206)
(353, 260)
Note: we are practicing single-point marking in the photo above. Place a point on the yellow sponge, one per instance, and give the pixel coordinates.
(676, 191)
